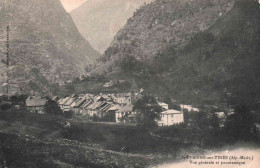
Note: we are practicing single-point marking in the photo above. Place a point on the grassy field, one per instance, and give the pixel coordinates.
(28, 152)
(108, 136)
(31, 140)
(26, 137)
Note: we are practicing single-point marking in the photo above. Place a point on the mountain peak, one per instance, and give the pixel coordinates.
(43, 35)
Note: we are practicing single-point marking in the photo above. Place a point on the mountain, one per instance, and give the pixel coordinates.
(99, 20)
(43, 39)
(217, 64)
(160, 24)
(222, 63)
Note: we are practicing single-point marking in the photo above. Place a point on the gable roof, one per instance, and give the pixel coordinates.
(64, 100)
(171, 111)
(106, 107)
(70, 101)
(79, 102)
(88, 103)
(95, 105)
(35, 101)
(114, 107)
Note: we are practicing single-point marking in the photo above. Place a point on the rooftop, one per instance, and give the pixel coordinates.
(171, 111)
(35, 101)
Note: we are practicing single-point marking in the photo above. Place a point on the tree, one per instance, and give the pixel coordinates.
(70, 87)
(148, 110)
(52, 107)
(240, 125)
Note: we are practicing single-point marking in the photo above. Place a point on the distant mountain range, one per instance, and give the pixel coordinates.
(196, 51)
(99, 20)
(44, 43)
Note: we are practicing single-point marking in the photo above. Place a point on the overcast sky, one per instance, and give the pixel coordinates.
(69, 5)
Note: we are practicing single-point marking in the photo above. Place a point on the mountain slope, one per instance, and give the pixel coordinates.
(222, 63)
(217, 65)
(99, 20)
(43, 36)
(160, 24)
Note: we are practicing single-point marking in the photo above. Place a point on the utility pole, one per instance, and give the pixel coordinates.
(7, 61)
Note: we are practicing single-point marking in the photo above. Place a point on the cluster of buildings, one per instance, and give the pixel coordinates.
(113, 108)
(105, 107)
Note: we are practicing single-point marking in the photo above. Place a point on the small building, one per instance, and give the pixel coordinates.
(67, 106)
(111, 112)
(171, 117)
(109, 84)
(127, 98)
(222, 118)
(62, 102)
(36, 104)
(189, 108)
(123, 111)
(92, 109)
(163, 105)
(77, 106)
(123, 100)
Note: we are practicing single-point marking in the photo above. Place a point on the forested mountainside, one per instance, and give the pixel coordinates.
(218, 63)
(160, 24)
(99, 20)
(43, 39)
(222, 62)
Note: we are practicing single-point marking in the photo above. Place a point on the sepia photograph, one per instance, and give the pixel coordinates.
(129, 83)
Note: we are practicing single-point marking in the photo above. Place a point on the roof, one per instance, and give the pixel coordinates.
(74, 95)
(171, 111)
(106, 107)
(88, 103)
(55, 98)
(64, 100)
(162, 104)
(95, 105)
(80, 102)
(114, 108)
(70, 101)
(126, 108)
(220, 114)
(122, 95)
(35, 101)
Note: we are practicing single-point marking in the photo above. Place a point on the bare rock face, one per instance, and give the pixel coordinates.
(44, 37)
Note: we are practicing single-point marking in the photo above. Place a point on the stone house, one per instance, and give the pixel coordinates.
(36, 104)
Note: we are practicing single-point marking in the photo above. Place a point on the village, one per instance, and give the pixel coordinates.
(117, 108)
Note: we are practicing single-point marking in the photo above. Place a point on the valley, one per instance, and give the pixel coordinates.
(129, 84)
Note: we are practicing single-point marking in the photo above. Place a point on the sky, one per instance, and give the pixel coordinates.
(69, 5)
